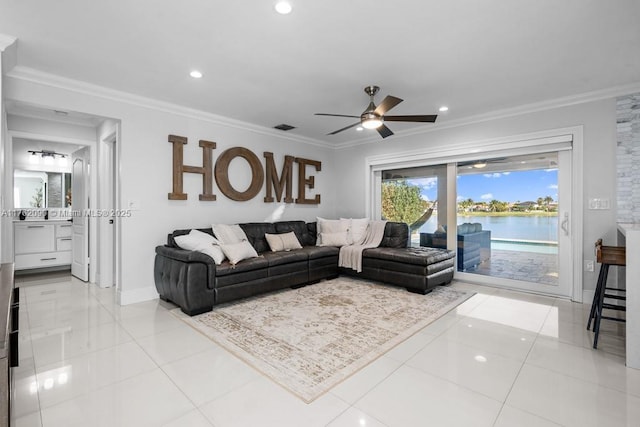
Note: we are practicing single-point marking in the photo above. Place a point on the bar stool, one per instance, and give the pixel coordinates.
(606, 256)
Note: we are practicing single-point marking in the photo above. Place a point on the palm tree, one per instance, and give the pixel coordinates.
(547, 202)
(494, 205)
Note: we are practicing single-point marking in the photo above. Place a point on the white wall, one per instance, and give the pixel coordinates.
(146, 172)
(598, 119)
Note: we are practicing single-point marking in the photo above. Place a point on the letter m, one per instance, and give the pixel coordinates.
(273, 182)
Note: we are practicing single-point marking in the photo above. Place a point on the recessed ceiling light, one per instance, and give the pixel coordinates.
(196, 74)
(359, 128)
(283, 7)
(443, 109)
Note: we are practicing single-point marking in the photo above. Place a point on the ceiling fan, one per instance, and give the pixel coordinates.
(374, 117)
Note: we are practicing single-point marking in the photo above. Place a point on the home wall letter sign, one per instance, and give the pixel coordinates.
(222, 174)
(282, 185)
(179, 168)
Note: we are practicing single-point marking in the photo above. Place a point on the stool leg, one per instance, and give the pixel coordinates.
(596, 326)
(596, 297)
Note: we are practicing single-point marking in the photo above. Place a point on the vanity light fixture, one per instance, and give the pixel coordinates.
(47, 157)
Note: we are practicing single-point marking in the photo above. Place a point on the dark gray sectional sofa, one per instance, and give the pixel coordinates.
(195, 283)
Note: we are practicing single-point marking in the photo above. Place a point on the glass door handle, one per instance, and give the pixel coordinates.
(565, 224)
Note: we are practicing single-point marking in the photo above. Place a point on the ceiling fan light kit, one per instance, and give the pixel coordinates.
(370, 121)
(374, 117)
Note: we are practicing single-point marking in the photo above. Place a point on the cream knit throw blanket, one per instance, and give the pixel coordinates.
(351, 256)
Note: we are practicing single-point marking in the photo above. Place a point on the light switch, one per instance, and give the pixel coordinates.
(599, 204)
(133, 205)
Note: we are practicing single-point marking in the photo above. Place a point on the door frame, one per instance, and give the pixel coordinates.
(107, 241)
(537, 142)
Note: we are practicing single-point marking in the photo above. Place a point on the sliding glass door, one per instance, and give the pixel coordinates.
(510, 215)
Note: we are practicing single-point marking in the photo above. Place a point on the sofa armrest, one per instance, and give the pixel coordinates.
(184, 255)
(186, 278)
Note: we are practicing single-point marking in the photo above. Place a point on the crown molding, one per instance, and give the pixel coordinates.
(36, 76)
(6, 41)
(566, 101)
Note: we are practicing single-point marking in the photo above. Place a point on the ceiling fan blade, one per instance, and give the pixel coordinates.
(387, 104)
(335, 115)
(424, 118)
(384, 131)
(344, 128)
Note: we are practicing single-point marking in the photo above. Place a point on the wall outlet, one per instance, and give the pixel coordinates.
(588, 265)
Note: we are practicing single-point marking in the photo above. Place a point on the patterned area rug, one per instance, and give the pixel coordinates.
(310, 339)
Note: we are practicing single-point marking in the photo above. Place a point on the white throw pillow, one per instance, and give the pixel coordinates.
(331, 226)
(283, 242)
(228, 233)
(236, 252)
(334, 239)
(201, 242)
(357, 229)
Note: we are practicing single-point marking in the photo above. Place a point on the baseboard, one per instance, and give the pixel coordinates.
(587, 296)
(136, 295)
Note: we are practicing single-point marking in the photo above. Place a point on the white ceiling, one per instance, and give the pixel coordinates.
(477, 57)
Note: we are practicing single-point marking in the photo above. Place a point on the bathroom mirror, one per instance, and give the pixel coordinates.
(38, 189)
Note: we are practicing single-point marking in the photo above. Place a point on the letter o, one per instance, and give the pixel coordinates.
(222, 174)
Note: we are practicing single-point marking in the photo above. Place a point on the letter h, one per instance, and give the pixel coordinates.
(179, 168)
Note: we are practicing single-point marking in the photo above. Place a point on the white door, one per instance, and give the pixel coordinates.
(80, 205)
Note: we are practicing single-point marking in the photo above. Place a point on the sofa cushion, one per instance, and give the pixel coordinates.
(333, 239)
(357, 229)
(396, 235)
(332, 226)
(181, 232)
(237, 252)
(464, 228)
(282, 241)
(279, 258)
(418, 256)
(228, 233)
(300, 228)
(201, 242)
(312, 227)
(315, 252)
(255, 232)
(226, 268)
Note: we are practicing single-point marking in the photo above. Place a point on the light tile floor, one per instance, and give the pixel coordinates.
(502, 358)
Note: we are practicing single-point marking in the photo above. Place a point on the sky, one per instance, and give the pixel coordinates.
(519, 186)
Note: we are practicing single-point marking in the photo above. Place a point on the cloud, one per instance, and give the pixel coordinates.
(496, 174)
(553, 186)
(487, 196)
(461, 198)
(425, 197)
(424, 183)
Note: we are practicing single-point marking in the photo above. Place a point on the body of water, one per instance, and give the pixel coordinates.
(540, 228)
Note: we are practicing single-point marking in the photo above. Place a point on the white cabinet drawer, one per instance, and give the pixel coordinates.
(41, 260)
(63, 244)
(32, 238)
(63, 230)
